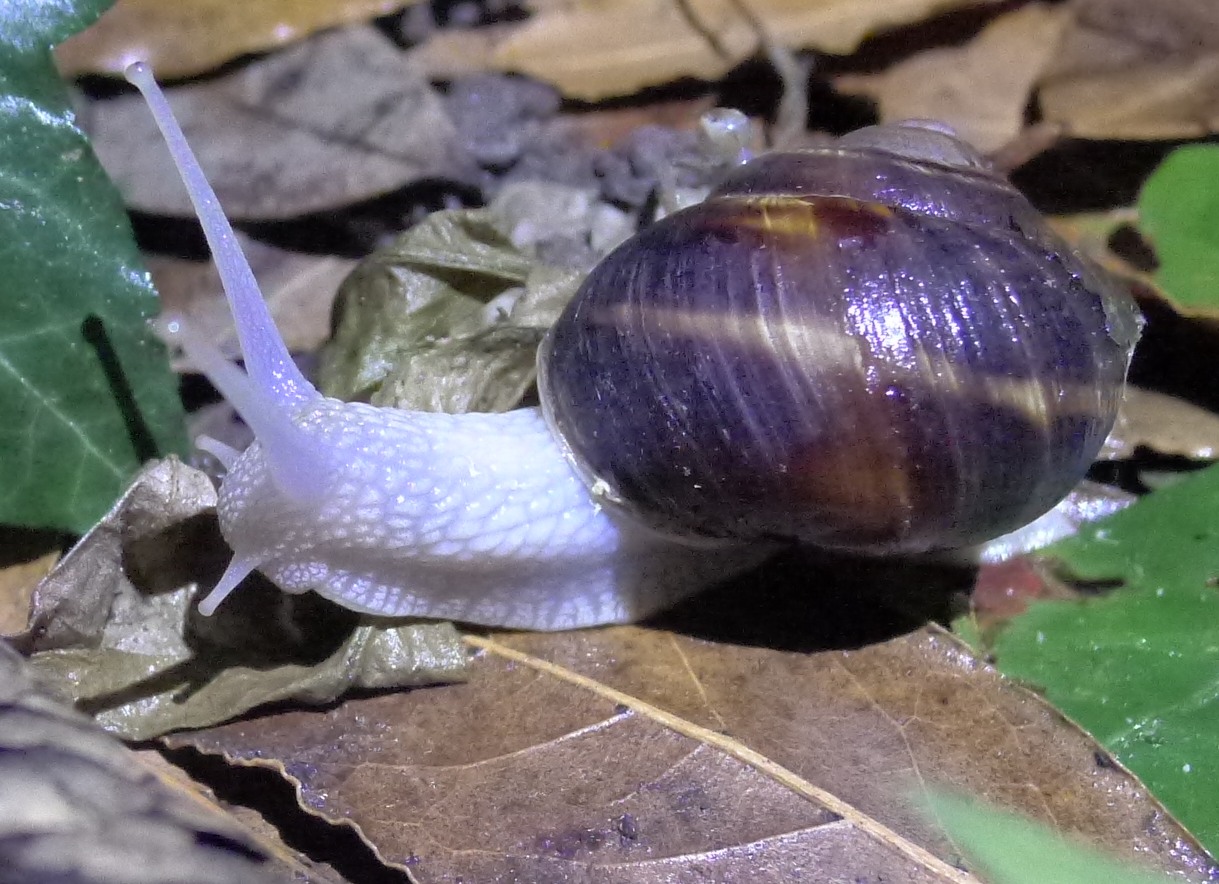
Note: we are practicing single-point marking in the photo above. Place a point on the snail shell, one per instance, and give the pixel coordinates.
(878, 345)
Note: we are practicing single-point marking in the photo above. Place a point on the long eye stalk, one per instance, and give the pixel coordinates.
(272, 392)
(266, 357)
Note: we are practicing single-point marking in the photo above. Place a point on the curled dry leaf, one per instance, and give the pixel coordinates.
(633, 754)
(1136, 70)
(340, 118)
(72, 605)
(981, 88)
(75, 804)
(114, 628)
(192, 36)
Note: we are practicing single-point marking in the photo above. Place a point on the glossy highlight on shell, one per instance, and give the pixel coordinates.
(845, 347)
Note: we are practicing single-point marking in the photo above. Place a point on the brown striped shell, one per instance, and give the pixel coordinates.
(873, 346)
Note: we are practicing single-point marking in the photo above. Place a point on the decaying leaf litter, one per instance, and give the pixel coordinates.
(557, 835)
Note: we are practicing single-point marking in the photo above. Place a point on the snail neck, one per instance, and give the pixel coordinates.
(472, 517)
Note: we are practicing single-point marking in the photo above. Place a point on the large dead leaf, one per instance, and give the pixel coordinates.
(340, 118)
(981, 88)
(1133, 69)
(191, 36)
(633, 754)
(593, 49)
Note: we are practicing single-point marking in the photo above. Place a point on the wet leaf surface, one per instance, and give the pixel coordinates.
(639, 754)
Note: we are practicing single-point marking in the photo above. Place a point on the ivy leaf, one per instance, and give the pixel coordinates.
(1137, 666)
(85, 389)
(1179, 212)
(1014, 850)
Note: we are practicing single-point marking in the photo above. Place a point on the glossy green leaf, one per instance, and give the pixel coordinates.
(85, 388)
(1138, 666)
(1012, 850)
(1178, 211)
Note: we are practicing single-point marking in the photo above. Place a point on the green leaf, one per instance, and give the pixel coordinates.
(449, 316)
(85, 388)
(1178, 210)
(1138, 667)
(1013, 850)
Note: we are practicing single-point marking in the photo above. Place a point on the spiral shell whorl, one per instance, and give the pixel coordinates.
(846, 348)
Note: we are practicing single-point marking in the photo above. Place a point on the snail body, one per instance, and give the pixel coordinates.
(798, 358)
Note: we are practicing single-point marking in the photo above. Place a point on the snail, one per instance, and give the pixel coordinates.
(876, 346)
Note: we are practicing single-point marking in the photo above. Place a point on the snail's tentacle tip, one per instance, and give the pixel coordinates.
(138, 72)
(226, 454)
(238, 570)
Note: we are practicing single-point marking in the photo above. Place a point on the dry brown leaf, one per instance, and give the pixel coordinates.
(1139, 70)
(981, 88)
(25, 558)
(593, 49)
(299, 288)
(143, 532)
(340, 118)
(1165, 424)
(633, 754)
(17, 584)
(192, 36)
(301, 867)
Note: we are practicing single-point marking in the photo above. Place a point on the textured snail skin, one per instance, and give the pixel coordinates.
(473, 517)
(482, 518)
(845, 347)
